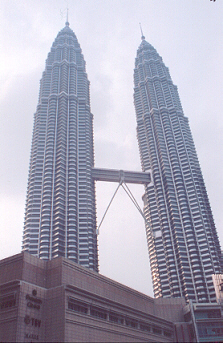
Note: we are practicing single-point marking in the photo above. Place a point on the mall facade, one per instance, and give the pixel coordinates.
(61, 301)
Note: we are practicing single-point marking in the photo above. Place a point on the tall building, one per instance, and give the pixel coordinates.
(60, 217)
(60, 214)
(182, 240)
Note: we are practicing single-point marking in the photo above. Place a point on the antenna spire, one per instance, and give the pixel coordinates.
(67, 22)
(142, 37)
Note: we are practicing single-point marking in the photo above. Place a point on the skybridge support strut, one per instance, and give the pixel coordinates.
(122, 177)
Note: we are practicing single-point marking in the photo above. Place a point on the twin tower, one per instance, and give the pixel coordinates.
(60, 215)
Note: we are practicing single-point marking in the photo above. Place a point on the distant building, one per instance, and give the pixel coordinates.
(182, 239)
(218, 285)
(205, 322)
(60, 301)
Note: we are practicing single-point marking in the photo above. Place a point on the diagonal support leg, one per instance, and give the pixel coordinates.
(97, 230)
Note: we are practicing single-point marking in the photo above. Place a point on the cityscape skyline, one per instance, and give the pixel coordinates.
(119, 150)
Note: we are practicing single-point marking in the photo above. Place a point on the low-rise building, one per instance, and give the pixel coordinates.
(205, 322)
(61, 301)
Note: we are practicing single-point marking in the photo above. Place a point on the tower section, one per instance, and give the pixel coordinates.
(182, 240)
(60, 214)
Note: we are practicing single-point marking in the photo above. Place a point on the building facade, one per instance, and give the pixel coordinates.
(182, 240)
(205, 322)
(60, 301)
(60, 215)
(218, 285)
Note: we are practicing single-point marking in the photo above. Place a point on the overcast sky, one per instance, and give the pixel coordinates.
(188, 34)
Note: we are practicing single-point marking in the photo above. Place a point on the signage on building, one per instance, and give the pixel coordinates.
(32, 335)
(33, 321)
(30, 319)
(33, 302)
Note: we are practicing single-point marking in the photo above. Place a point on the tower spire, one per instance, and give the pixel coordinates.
(142, 37)
(67, 22)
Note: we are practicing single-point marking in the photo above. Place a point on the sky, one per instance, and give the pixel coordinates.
(188, 34)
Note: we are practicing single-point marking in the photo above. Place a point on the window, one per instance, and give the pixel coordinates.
(167, 333)
(115, 318)
(98, 313)
(157, 330)
(131, 322)
(7, 301)
(77, 306)
(145, 327)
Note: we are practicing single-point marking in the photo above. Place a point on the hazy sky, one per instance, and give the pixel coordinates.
(188, 34)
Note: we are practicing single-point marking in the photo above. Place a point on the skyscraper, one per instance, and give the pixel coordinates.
(60, 217)
(182, 240)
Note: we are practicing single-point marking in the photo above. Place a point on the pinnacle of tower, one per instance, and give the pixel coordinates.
(67, 22)
(144, 44)
(142, 37)
(66, 27)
